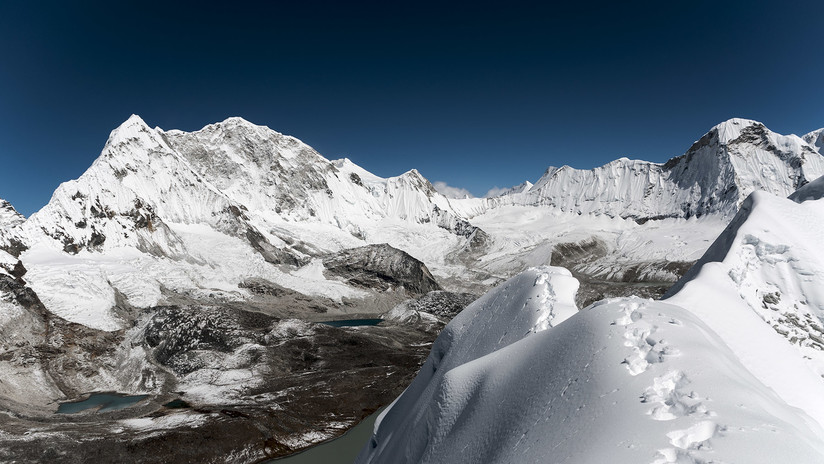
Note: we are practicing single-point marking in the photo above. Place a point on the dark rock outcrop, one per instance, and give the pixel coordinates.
(381, 267)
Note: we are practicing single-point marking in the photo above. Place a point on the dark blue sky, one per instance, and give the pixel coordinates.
(477, 96)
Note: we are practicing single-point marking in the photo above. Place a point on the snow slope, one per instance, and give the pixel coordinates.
(760, 286)
(623, 381)
(9, 217)
(727, 369)
(816, 139)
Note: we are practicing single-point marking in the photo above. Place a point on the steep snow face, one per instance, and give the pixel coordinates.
(127, 198)
(716, 174)
(238, 178)
(9, 217)
(520, 188)
(623, 381)
(816, 139)
(761, 287)
(201, 212)
(277, 176)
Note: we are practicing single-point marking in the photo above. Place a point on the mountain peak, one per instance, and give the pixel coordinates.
(9, 217)
(730, 129)
(816, 139)
(132, 128)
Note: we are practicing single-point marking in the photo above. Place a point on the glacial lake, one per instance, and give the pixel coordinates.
(353, 322)
(102, 402)
(341, 450)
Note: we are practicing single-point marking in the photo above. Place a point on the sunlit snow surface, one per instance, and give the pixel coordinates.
(726, 370)
(623, 381)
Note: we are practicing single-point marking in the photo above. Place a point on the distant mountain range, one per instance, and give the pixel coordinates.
(160, 193)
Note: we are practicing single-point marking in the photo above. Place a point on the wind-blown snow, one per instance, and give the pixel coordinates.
(760, 286)
(623, 381)
(451, 192)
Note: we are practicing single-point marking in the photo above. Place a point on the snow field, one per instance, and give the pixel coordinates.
(623, 381)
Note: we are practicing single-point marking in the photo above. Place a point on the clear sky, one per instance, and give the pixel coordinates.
(480, 95)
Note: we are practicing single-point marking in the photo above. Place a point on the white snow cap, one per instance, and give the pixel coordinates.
(730, 129)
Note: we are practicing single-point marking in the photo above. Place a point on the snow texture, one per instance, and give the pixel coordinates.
(760, 286)
(623, 381)
(727, 369)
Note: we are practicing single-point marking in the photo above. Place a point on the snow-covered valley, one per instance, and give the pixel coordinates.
(197, 267)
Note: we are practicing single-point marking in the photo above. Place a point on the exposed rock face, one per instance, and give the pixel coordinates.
(435, 309)
(381, 267)
(445, 305)
(9, 220)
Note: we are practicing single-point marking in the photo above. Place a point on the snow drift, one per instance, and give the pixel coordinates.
(728, 369)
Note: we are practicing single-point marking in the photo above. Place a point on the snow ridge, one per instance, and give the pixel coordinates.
(9, 217)
(728, 368)
(9, 220)
(649, 379)
(816, 139)
(716, 174)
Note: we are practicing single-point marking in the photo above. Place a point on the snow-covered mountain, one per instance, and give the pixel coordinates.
(198, 214)
(235, 177)
(816, 139)
(194, 262)
(760, 286)
(728, 369)
(714, 176)
(10, 219)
